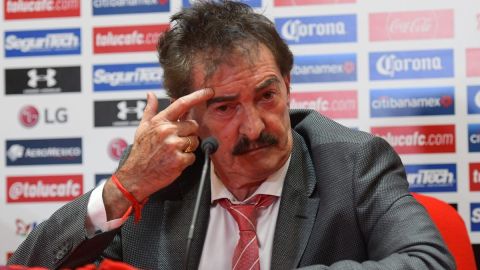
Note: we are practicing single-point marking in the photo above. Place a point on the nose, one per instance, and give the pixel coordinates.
(251, 124)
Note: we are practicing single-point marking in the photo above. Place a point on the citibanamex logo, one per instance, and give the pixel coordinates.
(116, 148)
(446, 101)
(28, 116)
(52, 188)
(349, 67)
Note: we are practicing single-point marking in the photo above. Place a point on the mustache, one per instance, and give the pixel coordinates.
(245, 145)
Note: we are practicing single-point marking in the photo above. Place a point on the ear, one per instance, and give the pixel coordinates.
(286, 79)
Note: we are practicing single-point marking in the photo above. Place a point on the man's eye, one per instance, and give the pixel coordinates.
(222, 108)
(268, 95)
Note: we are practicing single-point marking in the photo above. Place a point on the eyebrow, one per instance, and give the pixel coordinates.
(221, 99)
(259, 87)
(266, 83)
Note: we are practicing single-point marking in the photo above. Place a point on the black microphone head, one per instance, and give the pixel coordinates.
(209, 145)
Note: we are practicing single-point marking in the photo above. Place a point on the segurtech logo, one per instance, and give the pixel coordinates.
(418, 139)
(137, 38)
(20, 9)
(47, 188)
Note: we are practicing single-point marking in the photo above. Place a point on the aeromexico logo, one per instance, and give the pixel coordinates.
(318, 29)
(42, 152)
(42, 42)
(432, 177)
(324, 68)
(411, 64)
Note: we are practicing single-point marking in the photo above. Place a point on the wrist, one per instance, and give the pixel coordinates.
(115, 203)
(138, 191)
(136, 205)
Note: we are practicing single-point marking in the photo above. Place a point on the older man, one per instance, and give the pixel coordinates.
(286, 189)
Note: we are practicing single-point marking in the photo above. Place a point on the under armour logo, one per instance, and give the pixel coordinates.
(49, 78)
(124, 110)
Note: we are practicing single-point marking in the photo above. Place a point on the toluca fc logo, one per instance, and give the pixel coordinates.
(46, 188)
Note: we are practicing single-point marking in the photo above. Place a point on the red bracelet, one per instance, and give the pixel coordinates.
(137, 206)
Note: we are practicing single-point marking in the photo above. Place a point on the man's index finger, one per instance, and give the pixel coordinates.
(185, 103)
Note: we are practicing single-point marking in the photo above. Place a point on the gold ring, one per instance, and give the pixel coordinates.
(189, 147)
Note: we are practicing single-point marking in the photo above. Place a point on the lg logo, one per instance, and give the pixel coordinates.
(29, 116)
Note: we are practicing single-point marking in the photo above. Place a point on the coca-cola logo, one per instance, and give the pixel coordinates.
(411, 25)
(478, 22)
(417, 25)
(116, 148)
(28, 116)
(44, 188)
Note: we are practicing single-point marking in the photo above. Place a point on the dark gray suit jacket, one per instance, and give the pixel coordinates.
(345, 205)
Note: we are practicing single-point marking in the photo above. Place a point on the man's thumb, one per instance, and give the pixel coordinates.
(151, 108)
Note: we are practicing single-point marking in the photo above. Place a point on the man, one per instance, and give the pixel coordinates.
(332, 198)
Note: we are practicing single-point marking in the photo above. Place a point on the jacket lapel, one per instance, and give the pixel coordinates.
(177, 216)
(298, 209)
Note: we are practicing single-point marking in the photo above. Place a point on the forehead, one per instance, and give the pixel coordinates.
(240, 64)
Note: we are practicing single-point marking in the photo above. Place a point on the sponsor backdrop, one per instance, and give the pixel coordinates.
(74, 74)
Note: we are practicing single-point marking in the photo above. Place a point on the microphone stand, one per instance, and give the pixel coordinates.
(209, 146)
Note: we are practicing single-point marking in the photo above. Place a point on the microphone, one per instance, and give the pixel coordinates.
(209, 146)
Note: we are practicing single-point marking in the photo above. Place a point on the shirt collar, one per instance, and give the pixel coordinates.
(273, 185)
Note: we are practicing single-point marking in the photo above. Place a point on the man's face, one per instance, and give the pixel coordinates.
(248, 115)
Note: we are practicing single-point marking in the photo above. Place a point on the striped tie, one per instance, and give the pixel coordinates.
(245, 256)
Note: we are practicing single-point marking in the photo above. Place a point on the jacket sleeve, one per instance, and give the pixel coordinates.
(398, 231)
(61, 240)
